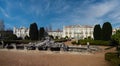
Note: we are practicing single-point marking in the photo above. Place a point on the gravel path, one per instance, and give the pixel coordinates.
(47, 58)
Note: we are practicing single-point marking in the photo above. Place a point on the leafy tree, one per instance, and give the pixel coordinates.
(27, 37)
(116, 41)
(51, 36)
(56, 37)
(19, 38)
(106, 31)
(7, 35)
(12, 37)
(46, 33)
(116, 37)
(97, 32)
(2, 26)
(41, 33)
(33, 31)
(89, 38)
(66, 37)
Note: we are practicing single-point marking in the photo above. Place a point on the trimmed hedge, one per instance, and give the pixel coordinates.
(92, 42)
(113, 58)
(60, 40)
(17, 41)
(118, 48)
(110, 55)
(73, 42)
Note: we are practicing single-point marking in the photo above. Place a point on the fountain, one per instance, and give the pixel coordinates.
(50, 45)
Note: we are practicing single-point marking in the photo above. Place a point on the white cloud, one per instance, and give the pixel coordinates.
(68, 12)
(4, 12)
(93, 13)
(101, 9)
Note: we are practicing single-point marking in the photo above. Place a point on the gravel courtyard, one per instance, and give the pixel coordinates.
(47, 58)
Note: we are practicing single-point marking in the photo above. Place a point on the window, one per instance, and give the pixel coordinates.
(70, 32)
(66, 32)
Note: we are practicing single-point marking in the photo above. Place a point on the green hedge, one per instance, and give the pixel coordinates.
(92, 42)
(60, 40)
(112, 58)
(110, 55)
(73, 42)
(118, 48)
(17, 41)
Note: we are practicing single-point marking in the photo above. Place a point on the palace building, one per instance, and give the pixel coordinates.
(72, 31)
(78, 31)
(21, 32)
(56, 34)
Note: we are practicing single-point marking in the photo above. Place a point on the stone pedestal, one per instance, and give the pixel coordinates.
(48, 49)
(25, 48)
(61, 49)
(37, 49)
(14, 46)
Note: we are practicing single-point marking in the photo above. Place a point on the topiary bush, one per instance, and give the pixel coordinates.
(17, 41)
(94, 42)
(110, 55)
(115, 62)
(118, 48)
(113, 58)
(73, 42)
(60, 40)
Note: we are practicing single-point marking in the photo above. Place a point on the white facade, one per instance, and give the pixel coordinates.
(56, 33)
(114, 30)
(78, 31)
(21, 32)
(74, 31)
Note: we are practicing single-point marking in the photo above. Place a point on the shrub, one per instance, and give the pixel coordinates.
(73, 42)
(94, 42)
(17, 41)
(113, 58)
(100, 42)
(60, 40)
(110, 55)
(78, 42)
(118, 48)
(115, 62)
(27, 37)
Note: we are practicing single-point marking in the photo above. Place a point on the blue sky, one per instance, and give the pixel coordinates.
(59, 13)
